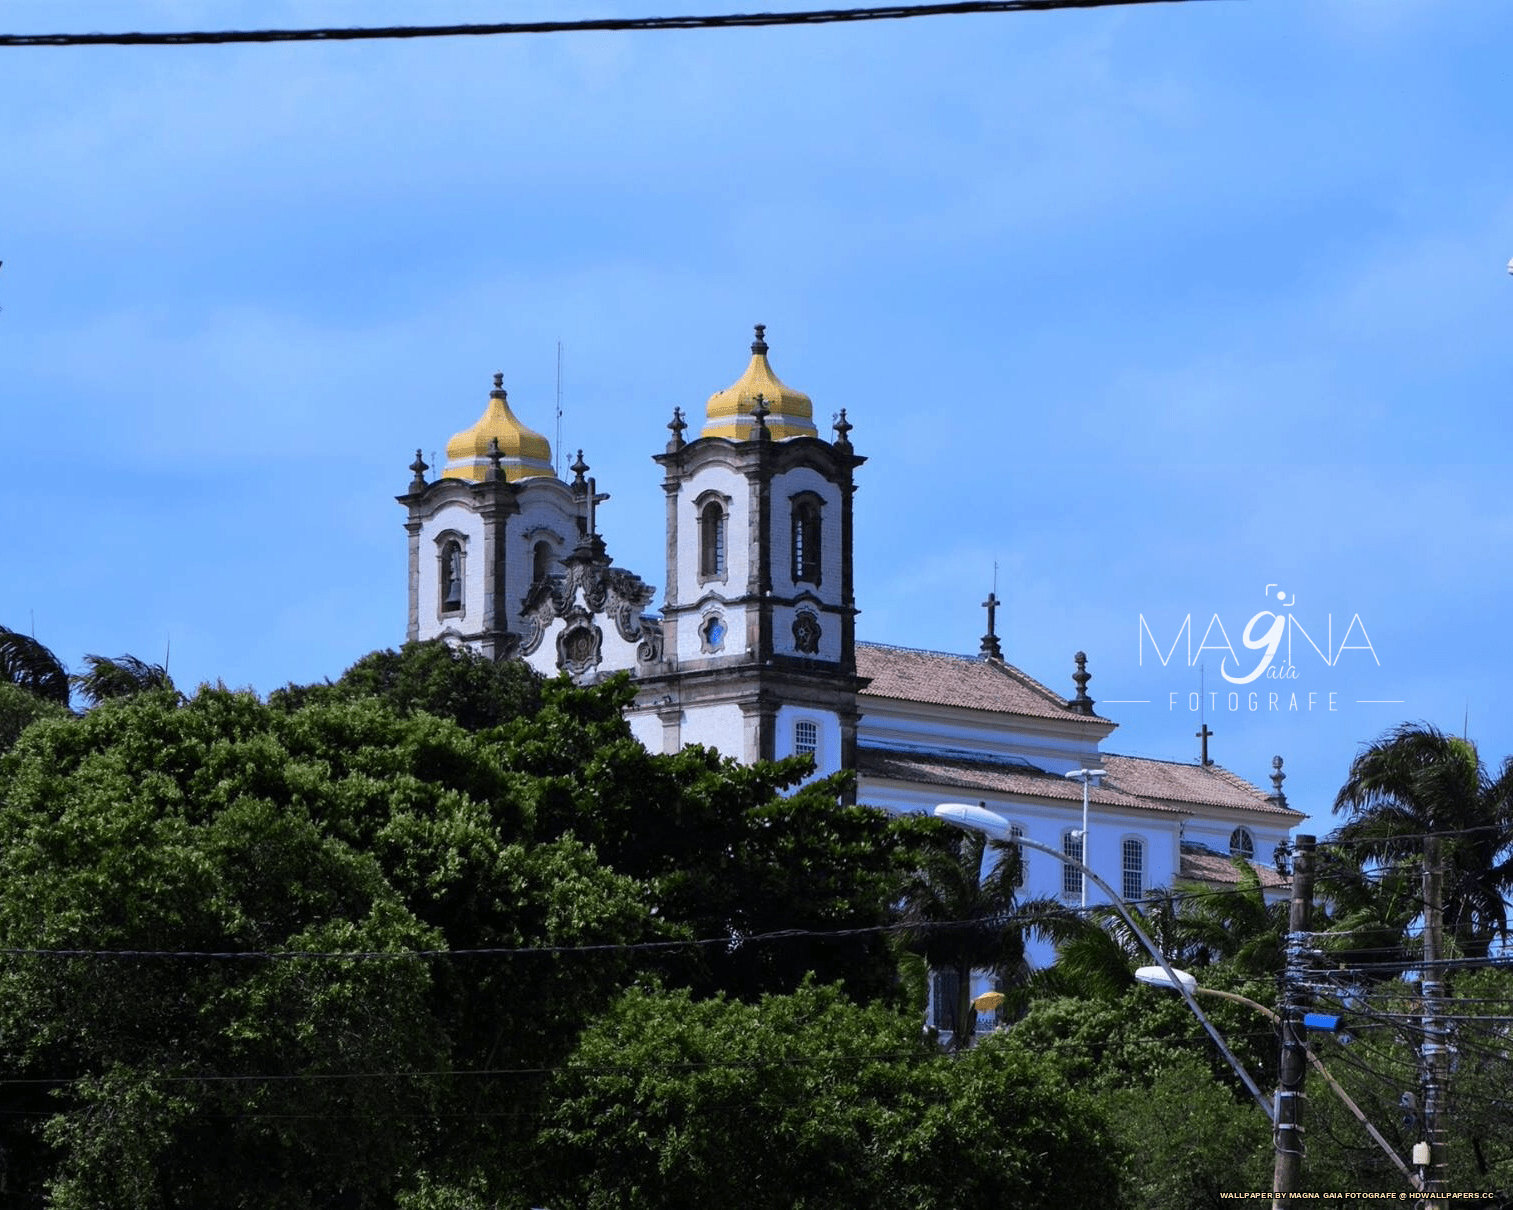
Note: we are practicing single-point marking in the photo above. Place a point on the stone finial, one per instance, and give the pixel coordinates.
(1082, 703)
(677, 426)
(420, 468)
(842, 428)
(1277, 778)
(990, 646)
(759, 345)
(495, 454)
(759, 413)
(579, 467)
(498, 386)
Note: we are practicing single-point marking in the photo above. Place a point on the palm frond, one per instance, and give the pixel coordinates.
(124, 676)
(31, 666)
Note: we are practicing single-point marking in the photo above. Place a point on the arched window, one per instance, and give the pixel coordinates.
(806, 738)
(451, 577)
(1071, 876)
(806, 540)
(1242, 844)
(712, 540)
(541, 561)
(1133, 885)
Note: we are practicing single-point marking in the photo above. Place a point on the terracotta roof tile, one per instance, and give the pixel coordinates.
(1189, 784)
(937, 678)
(1132, 782)
(993, 777)
(1211, 867)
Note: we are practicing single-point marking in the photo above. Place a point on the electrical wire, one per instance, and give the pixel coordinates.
(829, 16)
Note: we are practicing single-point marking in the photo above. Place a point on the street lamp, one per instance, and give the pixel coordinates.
(1156, 976)
(980, 819)
(1087, 776)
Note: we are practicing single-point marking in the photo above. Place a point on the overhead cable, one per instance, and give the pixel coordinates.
(828, 16)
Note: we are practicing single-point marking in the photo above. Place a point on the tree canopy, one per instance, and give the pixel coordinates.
(323, 950)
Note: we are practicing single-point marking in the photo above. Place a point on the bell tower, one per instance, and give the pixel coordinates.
(759, 619)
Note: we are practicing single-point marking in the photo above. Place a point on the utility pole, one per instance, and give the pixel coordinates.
(1435, 1054)
(1294, 1063)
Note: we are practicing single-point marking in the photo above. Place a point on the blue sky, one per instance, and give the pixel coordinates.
(1151, 307)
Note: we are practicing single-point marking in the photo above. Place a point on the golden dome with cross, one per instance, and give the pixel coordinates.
(523, 453)
(789, 413)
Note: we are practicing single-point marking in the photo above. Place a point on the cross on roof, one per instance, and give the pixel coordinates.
(990, 644)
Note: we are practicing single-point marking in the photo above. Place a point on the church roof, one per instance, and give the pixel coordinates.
(990, 777)
(1198, 866)
(1193, 786)
(790, 413)
(523, 453)
(1131, 781)
(936, 678)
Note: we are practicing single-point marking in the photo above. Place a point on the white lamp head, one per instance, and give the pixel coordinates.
(974, 818)
(1157, 977)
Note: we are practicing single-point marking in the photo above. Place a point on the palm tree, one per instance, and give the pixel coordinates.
(124, 676)
(1234, 925)
(1193, 925)
(960, 921)
(26, 663)
(1370, 911)
(1417, 781)
(1097, 953)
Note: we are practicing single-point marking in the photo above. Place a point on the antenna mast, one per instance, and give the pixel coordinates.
(557, 448)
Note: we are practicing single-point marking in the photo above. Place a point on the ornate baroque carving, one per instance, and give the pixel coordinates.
(589, 587)
(806, 632)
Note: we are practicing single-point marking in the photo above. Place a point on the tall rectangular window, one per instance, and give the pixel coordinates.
(806, 542)
(806, 738)
(1134, 869)
(1015, 834)
(1071, 876)
(712, 541)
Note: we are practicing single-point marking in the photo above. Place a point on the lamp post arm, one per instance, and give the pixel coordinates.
(980, 820)
(1318, 1066)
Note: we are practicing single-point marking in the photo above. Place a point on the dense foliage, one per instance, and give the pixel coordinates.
(442, 936)
(164, 857)
(806, 1100)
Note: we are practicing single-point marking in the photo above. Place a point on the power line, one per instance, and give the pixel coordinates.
(828, 16)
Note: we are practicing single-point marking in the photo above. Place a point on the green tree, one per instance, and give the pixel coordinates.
(456, 683)
(1232, 925)
(809, 1100)
(19, 709)
(223, 826)
(961, 920)
(1186, 1137)
(726, 856)
(338, 821)
(1417, 780)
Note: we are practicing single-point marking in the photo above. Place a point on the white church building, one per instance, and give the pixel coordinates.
(753, 649)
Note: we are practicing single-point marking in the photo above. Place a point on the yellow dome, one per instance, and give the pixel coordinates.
(789, 413)
(522, 453)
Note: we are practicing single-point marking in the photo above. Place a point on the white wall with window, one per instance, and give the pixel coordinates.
(451, 543)
(801, 730)
(1071, 876)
